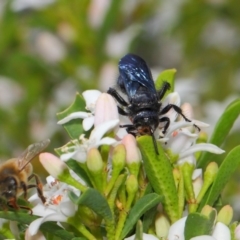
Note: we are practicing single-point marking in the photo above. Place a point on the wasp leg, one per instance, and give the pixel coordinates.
(121, 111)
(38, 186)
(166, 86)
(130, 129)
(167, 120)
(117, 96)
(179, 111)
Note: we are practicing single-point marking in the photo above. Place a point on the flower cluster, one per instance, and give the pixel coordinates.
(105, 180)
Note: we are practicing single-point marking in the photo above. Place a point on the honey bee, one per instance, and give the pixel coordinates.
(16, 173)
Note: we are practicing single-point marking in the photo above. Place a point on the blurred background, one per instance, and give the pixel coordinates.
(50, 49)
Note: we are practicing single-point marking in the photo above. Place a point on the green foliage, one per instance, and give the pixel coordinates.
(221, 130)
(227, 168)
(197, 224)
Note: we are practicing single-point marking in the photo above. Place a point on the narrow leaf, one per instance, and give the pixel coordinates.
(221, 130)
(140, 207)
(95, 201)
(227, 168)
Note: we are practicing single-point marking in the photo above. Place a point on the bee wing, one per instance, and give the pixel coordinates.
(31, 151)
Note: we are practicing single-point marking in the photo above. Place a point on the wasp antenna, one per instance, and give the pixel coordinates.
(154, 143)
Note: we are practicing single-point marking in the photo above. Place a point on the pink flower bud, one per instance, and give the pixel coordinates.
(105, 109)
(132, 150)
(52, 164)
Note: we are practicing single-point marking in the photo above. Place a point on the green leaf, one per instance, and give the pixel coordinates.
(166, 76)
(49, 227)
(227, 168)
(148, 218)
(140, 207)
(79, 170)
(221, 131)
(74, 127)
(198, 224)
(159, 173)
(95, 201)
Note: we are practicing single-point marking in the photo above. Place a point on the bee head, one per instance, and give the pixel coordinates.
(8, 187)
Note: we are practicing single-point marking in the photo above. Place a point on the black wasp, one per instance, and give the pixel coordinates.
(144, 106)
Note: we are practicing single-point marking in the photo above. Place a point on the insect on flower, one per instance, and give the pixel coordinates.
(16, 173)
(144, 107)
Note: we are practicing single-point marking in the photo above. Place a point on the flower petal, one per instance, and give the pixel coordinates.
(201, 147)
(41, 210)
(197, 173)
(98, 132)
(88, 123)
(91, 97)
(176, 231)
(221, 232)
(107, 141)
(66, 156)
(180, 140)
(72, 116)
(68, 208)
(34, 226)
(179, 125)
(189, 159)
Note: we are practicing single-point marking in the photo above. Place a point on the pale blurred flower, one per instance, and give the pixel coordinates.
(19, 5)
(10, 93)
(48, 46)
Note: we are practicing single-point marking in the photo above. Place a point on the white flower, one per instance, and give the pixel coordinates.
(58, 206)
(144, 237)
(79, 151)
(220, 232)
(182, 143)
(90, 97)
(176, 231)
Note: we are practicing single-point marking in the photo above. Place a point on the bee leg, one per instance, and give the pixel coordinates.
(24, 187)
(179, 111)
(117, 96)
(38, 186)
(12, 202)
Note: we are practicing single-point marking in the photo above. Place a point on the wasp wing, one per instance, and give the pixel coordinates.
(31, 151)
(134, 74)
